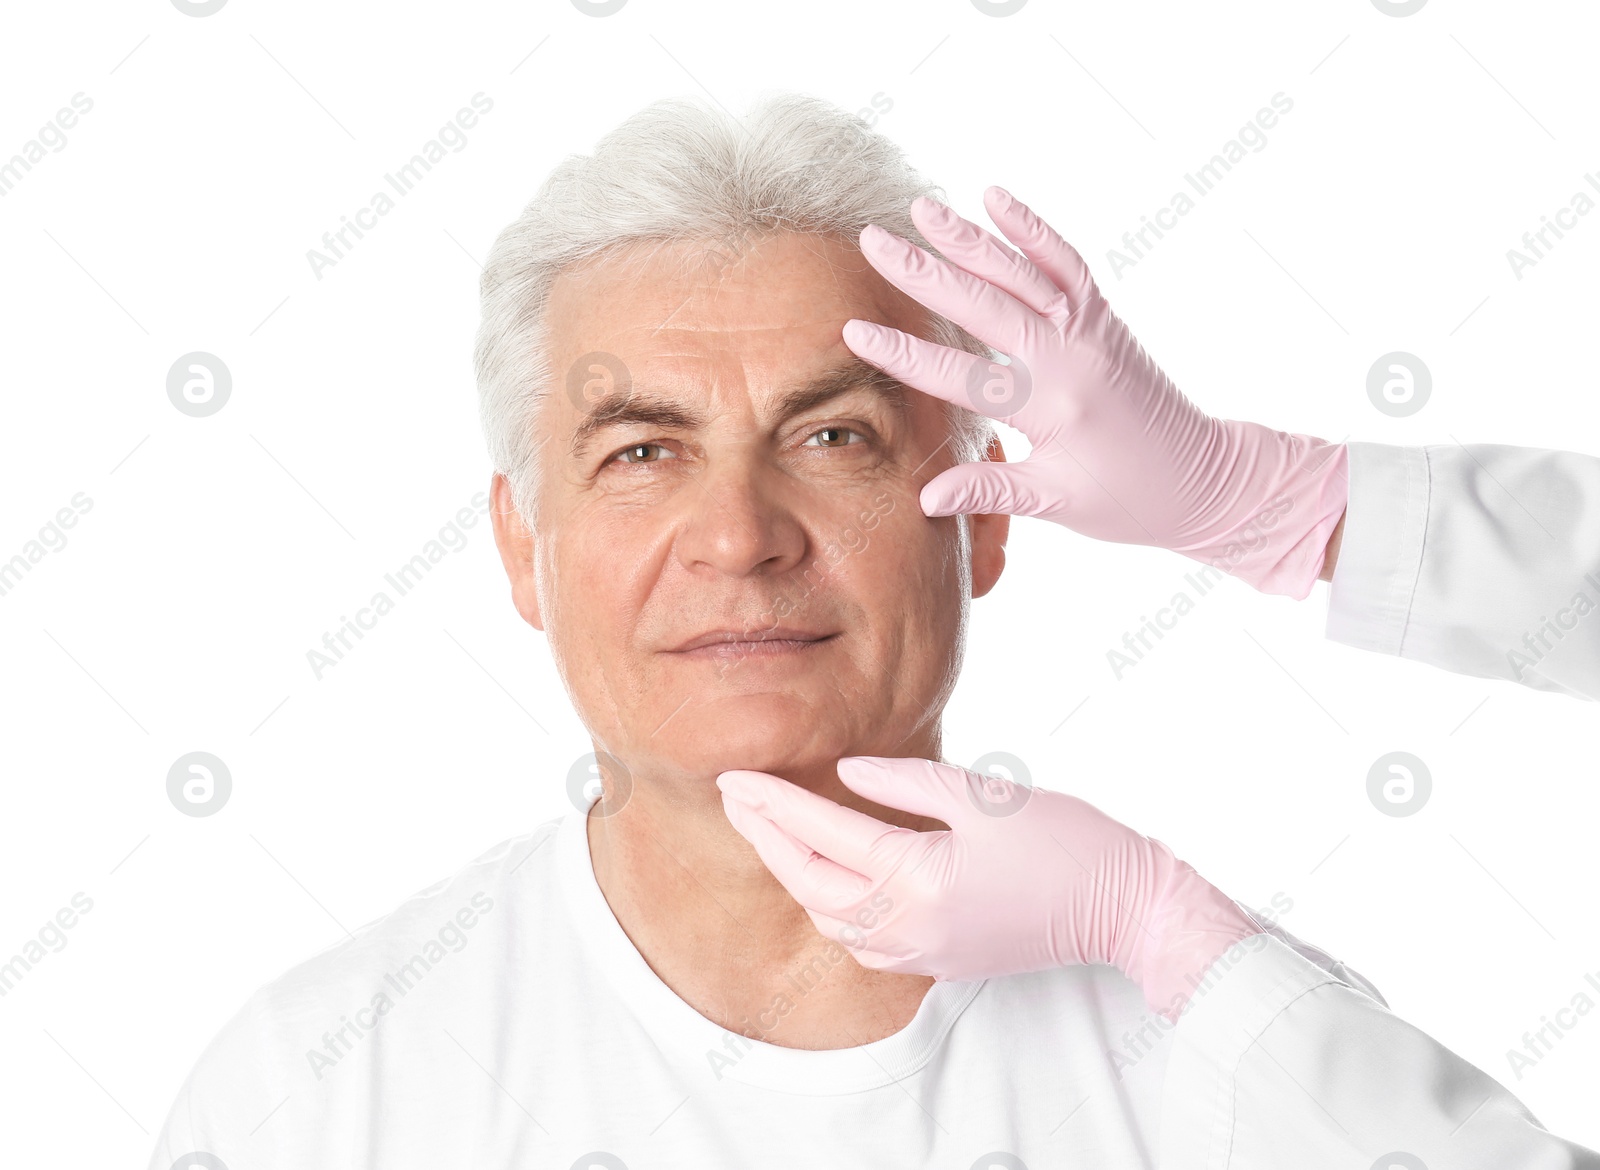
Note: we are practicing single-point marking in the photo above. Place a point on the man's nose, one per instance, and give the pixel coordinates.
(741, 517)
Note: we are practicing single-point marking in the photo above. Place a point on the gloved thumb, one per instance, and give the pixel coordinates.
(984, 487)
(914, 785)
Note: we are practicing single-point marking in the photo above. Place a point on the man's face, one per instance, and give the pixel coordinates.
(754, 481)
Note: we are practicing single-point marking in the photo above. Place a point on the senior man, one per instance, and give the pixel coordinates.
(787, 934)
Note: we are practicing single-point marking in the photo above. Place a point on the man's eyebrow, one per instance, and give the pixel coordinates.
(641, 407)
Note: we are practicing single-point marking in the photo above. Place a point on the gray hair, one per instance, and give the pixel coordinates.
(680, 170)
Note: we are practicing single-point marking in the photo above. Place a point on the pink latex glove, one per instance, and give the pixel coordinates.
(1025, 879)
(1118, 453)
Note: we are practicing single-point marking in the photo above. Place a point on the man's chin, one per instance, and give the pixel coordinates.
(781, 737)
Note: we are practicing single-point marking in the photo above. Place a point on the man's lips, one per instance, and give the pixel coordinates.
(777, 640)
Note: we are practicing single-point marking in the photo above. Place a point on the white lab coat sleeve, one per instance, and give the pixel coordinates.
(1339, 969)
(1480, 559)
(1277, 1063)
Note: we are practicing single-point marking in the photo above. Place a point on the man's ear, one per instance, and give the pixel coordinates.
(989, 532)
(515, 542)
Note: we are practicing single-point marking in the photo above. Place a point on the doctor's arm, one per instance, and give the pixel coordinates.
(1280, 1057)
(1483, 560)
(1277, 1063)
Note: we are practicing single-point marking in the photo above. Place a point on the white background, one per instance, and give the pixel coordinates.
(219, 550)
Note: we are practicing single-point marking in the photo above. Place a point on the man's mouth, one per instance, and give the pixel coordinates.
(777, 641)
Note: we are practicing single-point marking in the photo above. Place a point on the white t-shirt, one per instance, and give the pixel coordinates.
(502, 1017)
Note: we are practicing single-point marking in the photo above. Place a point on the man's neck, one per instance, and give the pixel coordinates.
(717, 928)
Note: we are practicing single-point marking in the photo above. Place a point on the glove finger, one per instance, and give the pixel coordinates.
(1037, 240)
(928, 788)
(984, 488)
(988, 313)
(968, 380)
(873, 953)
(872, 960)
(977, 251)
(953, 375)
(844, 932)
(852, 840)
(818, 884)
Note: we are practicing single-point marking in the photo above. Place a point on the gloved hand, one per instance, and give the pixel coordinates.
(1024, 879)
(1118, 452)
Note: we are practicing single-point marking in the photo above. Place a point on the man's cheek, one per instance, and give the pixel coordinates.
(874, 511)
(897, 518)
(582, 572)
(913, 560)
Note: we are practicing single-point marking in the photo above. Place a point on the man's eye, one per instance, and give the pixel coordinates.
(642, 451)
(837, 431)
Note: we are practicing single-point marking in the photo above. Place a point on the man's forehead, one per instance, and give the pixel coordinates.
(684, 293)
(655, 336)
